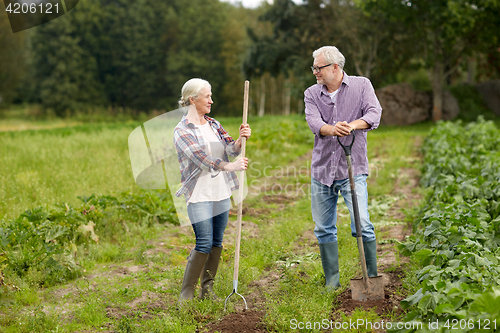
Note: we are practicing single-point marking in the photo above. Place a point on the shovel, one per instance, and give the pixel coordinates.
(240, 205)
(365, 288)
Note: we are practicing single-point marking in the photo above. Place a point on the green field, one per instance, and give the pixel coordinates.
(131, 279)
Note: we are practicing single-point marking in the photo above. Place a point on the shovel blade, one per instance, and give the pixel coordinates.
(373, 290)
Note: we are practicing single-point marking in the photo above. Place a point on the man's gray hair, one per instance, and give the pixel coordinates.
(191, 89)
(332, 55)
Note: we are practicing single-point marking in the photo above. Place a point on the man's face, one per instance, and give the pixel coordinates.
(325, 75)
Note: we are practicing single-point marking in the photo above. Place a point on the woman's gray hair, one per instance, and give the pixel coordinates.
(191, 89)
(332, 55)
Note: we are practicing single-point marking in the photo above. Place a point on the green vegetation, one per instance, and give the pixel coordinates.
(59, 217)
(457, 235)
(471, 103)
(46, 167)
(43, 244)
(88, 63)
(130, 280)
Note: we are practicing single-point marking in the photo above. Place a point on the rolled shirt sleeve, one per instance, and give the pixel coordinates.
(372, 110)
(313, 115)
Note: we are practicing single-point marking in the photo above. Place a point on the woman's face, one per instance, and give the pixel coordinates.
(203, 101)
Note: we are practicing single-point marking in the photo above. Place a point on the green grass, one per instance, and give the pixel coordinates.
(44, 167)
(93, 158)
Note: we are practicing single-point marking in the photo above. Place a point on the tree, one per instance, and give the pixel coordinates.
(65, 70)
(12, 60)
(134, 54)
(199, 49)
(446, 31)
(373, 46)
(131, 50)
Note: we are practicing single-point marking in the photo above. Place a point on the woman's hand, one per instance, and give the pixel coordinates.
(245, 132)
(239, 165)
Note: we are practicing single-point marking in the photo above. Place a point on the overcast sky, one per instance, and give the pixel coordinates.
(253, 3)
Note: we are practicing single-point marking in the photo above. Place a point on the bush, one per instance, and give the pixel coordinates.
(471, 103)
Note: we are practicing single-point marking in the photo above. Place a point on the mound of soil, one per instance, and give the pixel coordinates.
(389, 306)
(242, 322)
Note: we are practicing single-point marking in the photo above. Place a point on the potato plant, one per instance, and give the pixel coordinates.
(456, 239)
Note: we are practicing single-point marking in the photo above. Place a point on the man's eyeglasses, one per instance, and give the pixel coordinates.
(318, 69)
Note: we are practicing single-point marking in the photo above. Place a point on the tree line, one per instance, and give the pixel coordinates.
(131, 54)
(383, 40)
(136, 55)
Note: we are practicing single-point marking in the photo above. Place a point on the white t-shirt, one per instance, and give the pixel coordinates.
(333, 96)
(208, 188)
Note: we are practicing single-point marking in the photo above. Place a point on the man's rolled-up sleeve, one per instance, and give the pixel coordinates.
(372, 110)
(313, 115)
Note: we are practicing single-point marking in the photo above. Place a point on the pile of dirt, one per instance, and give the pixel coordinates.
(385, 308)
(247, 321)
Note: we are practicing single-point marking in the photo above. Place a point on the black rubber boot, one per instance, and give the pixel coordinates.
(371, 257)
(330, 261)
(207, 279)
(194, 266)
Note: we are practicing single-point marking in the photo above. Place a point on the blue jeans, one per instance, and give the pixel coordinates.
(209, 221)
(324, 208)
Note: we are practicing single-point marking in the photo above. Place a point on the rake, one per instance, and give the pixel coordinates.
(240, 204)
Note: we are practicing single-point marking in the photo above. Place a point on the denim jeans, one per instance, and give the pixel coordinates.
(324, 208)
(209, 221)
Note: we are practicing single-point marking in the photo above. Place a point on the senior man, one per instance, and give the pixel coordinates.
(335, 106)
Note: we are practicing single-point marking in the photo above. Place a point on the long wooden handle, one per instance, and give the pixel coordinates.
(242, 184)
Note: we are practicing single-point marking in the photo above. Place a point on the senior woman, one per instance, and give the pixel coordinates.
(207, 178)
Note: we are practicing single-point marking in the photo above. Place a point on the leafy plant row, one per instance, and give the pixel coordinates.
(456, 239)
(46, 240)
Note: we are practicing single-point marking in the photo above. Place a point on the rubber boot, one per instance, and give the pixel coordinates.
(330, 261)
(209, 272)
(371, 257)
(195, 264)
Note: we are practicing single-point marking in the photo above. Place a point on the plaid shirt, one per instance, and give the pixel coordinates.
(191, 153)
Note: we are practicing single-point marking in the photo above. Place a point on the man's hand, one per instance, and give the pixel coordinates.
(341, 129)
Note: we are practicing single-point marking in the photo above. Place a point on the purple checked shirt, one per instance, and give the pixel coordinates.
(356, 99)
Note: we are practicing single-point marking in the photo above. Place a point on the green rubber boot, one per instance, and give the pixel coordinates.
(194, 267)
(371, 257)
(330, 261)
(208, 274)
